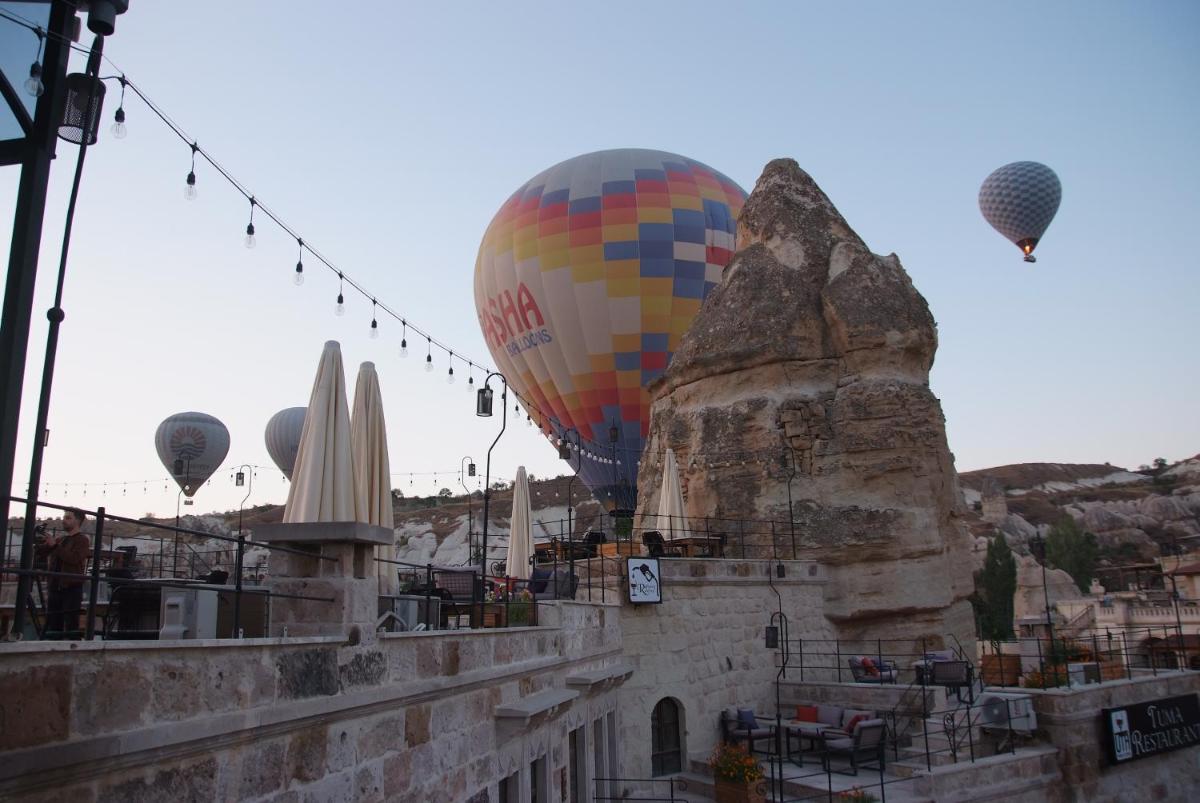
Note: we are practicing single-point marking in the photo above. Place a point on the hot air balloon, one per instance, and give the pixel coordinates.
(1020, 200)
(191, 446)
(283, 437)
(585, 281)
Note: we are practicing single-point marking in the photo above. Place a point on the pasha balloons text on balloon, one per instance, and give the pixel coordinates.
(587, 277)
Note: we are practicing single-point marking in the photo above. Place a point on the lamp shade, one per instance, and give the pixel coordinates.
(483, 402)
(78, 114)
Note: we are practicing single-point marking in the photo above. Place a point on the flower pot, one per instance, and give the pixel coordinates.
(741, 791)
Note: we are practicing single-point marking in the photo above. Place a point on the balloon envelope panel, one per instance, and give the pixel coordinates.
(199, 441)
(586, 279)
(1020, 199)
(282, 437)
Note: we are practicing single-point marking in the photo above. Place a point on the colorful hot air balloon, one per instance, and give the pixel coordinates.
(1020, 200)
(191, 446)
(587, 278)
(283, 437)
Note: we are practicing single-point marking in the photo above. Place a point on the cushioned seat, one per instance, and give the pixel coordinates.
(866, 740)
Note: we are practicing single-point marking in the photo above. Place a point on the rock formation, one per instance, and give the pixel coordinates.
(815, 353)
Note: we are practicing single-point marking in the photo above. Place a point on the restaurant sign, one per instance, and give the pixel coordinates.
(1146, 729)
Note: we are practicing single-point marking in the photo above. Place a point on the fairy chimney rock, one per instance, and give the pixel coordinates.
(810, 361)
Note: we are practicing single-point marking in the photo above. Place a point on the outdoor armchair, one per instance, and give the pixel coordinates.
(866, 742)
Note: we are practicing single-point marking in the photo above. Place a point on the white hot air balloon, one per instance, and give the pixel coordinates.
(283, 437)
(1019, 200)
(192, 446)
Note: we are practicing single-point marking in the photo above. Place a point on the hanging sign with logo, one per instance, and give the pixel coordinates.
(645, 582)
(1146, 729)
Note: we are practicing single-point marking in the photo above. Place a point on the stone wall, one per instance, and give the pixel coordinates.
(704, 647)
(439, 716)
(1072, 722)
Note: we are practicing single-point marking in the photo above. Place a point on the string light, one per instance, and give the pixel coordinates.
(189, 191)
(404, 338)
(33, 84)
(470, 377)
(374, 323)
(340, 309)
(118, 126)
(428, 354)
(249, 241)
(298, 279)
(450, 372)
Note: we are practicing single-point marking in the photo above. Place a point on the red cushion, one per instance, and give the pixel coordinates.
(869, 667)
(806, 713)
(853, 723)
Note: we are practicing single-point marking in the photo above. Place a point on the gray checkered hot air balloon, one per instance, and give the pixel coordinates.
(1020, 200)
(283, 437)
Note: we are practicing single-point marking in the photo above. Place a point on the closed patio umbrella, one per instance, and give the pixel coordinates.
(670, 498)
(323, 480)
(520, 538)
(372, 470)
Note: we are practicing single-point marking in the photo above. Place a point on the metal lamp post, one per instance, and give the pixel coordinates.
(1174, 549)
(1037, 545)
(470, 467)
(241, 550)
(564, 452)
(483, 408)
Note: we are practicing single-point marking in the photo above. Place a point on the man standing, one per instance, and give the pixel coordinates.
(67, 554)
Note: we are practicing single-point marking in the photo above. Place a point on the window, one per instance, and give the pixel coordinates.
(578, 756)
(665, 753)
(510, 789)
(538, 788)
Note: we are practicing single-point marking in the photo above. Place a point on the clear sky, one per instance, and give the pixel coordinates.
(388, 134)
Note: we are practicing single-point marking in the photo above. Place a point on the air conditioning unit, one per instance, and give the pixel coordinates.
(999, 711)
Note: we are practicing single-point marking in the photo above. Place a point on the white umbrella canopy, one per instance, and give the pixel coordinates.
(520, 538)
(372, 470)
(323, 479)
(670, 498)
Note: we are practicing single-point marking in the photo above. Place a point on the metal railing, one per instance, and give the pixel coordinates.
(105, 568)
(644, 789)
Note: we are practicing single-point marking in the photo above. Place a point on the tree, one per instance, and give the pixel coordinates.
(1159, 464)
(445, 493)
(1070, 548)
(995, 588)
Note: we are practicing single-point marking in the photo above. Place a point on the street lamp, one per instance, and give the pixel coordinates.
(483, 408)
(1176, 550)
(564, 452)
(470, 461)
(1037, 546)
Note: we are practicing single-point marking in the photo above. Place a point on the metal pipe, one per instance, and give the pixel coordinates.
(56, 316)
(90, 632)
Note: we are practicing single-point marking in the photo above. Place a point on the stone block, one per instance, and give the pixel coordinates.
(381, 735)
(397, 774)
(305, 758)
(35, 706)
(113, 696)
(261, 770)
(309, 672)
(365, 667)
(416, 725)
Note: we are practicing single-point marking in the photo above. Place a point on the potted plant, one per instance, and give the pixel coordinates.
(738, 775)
(857, 795)
(520, 609)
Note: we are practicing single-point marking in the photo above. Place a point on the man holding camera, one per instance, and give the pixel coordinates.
(66, 554)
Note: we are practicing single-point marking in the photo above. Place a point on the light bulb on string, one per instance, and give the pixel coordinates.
(374, 322)
(249, 241)
(189, 190)
(404, 338)
(340, 308)
(470, 377)
(450, 371)
(118, 126)
(298, 277)
(428, 354)
(33, 84)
